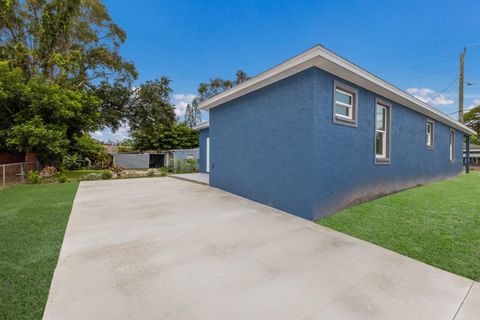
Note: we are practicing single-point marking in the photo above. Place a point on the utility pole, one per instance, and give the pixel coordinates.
(460, 85)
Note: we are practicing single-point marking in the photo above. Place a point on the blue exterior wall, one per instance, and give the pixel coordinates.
(279, 146)
(346, 171)
(203, 135)
(261, 145)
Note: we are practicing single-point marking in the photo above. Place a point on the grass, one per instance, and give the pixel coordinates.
(33, 219)
(438, 224)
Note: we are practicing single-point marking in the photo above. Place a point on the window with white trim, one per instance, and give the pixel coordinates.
(382, 132)
(344, 104)
(452, 146)
(429, 133)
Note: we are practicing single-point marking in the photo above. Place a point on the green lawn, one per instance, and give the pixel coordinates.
(33, 219)
(438, 224)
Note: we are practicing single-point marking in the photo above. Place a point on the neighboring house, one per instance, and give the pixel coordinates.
(204, 157)
(474, 154)
(317, 133)
(153, 159)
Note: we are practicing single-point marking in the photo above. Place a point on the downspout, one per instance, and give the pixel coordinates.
(467, 155)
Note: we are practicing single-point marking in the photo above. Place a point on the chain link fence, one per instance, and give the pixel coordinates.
(13, 173)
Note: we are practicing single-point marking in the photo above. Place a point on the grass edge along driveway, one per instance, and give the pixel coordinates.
(438, 224)
(33, 219)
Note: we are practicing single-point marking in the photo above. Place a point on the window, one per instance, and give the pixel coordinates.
(382, 132)
(452, 146)
(344, 104)
(429, 134)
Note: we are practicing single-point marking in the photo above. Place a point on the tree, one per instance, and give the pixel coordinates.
(48, 141)
(41, 116)
(472, 120)
(193, 116)
(70, 42)
(206, 91)
(57, 58)
(218, 85)
(179, 136)
(150, 106)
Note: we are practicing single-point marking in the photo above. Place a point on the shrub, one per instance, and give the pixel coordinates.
(151, 173)
(106, 175)
(124, 148)
(163, 172)
(118, 171)
(34, 177)
(91, 177)
(70, 162)
(184, 166)
(62, 178)
(48, 173)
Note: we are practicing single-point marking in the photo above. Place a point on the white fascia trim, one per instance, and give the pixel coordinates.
(325, 59)
(201, 126)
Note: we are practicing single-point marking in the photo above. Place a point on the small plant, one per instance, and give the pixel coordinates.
(90, 177)
(163, 172)
(183, 166)
(62, 178)
(106, 175)
(118, 171)
(34, 177)
(48, 173)
(151, 173)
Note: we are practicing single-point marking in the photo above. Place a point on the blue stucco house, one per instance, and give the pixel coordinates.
(317, 133)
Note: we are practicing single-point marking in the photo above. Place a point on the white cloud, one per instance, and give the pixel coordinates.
(181, 100)
(430, 96)
(476, 101)
(107, 135)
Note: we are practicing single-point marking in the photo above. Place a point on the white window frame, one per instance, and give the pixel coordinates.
(383, 158)
(430, 138)
(351, 119)
(349, 107)
(451, 146)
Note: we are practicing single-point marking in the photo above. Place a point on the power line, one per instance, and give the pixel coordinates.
(443, 91)
(434, 56)
(454, 112)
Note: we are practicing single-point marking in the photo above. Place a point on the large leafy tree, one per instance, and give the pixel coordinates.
(143, 108)
(59, 58)
(178, 136)
(472, 120)
(71, 42)
(41, 116)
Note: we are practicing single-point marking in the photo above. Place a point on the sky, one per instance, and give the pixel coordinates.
(414, 45)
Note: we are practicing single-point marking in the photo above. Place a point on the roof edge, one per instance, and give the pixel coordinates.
(202, 125)
(322, 58)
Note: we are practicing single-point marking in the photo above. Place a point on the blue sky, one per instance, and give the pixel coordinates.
(411, 44)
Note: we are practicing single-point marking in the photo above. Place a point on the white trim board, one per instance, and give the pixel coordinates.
(325, 59)
(201, 126)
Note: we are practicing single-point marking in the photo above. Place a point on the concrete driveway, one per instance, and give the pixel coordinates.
(162, 248)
